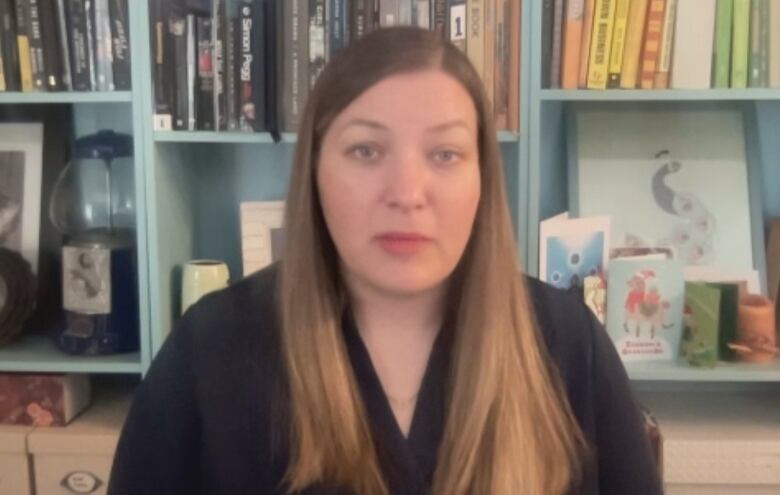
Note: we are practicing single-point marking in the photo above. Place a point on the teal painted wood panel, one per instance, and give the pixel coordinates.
(751, 94)
(34, 353)
(42, 97)
(724, 372)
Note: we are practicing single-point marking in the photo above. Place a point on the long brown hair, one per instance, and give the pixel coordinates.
(509, 429)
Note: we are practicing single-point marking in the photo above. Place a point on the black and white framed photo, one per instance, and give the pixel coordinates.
(21, 155)
(262, 234)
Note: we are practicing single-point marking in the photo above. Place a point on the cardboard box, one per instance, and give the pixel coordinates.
(14, 461)
(78, 457)
(42, 399)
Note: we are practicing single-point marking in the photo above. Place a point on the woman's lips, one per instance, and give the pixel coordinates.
(402, 243)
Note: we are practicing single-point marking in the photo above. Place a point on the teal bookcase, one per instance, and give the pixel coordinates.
(189, 185)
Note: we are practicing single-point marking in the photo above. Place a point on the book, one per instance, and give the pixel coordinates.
(336, 27)
(557, 44)
(603, 22)
(721, 68)
(701, 317)
(316, 40)
(645, 308)
(457, 23)
(629, 73)
(661, 78)
(246, 61)
(548, 16)
(727, 318)
(35, 37)
(205, 76)
(64, 45)
(587, 30)
(52, 56)
(492, 53)
(120, 44)
(23, 47)
(740, 44)
(513, 91)
(10, 54)
(104, 52)
(219, 23)
(652, 43)
(162, 59)
(439, 17)
(572, 38)
(759, 31)
(475, 36)
(618, 43)
(694, 34)
(774, 44)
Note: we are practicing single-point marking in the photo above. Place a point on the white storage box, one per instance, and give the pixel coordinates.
(14, 461)
(77, 458)
(719, 442)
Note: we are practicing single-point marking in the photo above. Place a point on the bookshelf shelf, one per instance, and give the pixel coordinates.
(66, 97)
(219, 137)
(679, 371)
(35, 353)
(751, 94)
(257, 137)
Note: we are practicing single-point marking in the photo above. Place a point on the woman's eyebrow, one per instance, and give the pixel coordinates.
(449, 125)
(366, 123)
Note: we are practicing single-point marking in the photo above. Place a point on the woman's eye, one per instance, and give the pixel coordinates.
(364, 152)
(445, 156)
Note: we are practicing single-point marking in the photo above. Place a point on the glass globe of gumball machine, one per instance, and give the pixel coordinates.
(92, 205)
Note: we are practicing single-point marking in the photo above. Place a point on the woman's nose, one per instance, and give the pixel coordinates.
(406, 182)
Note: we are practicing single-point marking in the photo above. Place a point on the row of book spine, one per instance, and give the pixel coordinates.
(248, 65)
(659, 44)
(64, 45)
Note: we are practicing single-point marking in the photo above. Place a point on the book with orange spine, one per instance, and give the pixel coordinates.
(652, 43)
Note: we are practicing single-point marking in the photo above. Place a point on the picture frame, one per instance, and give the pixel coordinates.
(21, 171)
(262, 234)
(685, 178)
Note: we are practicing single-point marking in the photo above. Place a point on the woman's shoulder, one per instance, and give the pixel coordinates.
(567, 326)
(234, 324)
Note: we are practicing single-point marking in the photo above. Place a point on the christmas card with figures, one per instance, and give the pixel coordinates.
(645, 307)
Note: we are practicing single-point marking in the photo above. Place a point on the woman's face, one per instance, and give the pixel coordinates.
(399, 181)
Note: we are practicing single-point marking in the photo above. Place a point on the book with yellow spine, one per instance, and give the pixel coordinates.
(603, 24)
(618, 43)
(633, 49)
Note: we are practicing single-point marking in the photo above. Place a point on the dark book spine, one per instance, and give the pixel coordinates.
(272, 32)
(103, 47)
(89, 15)
(120, 43)
(439, 16)
(192, 74)
(205, 80)
(232, 57)
(335, 21)
(8, 42)
(80, 68)
(246, 100)
(177, 25)
(218, 61)
(162, 65)
(35, 37)
(64, 46)
(50, 40)
(359, 18)
(316, 40)
(259, 66)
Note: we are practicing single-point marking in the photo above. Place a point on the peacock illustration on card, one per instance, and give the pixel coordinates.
(691, 237)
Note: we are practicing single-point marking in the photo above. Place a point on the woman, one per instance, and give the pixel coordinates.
(395, 348)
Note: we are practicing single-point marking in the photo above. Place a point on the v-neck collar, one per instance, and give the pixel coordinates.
(408, 462)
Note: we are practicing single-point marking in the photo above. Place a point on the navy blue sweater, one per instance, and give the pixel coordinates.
(208, 419)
